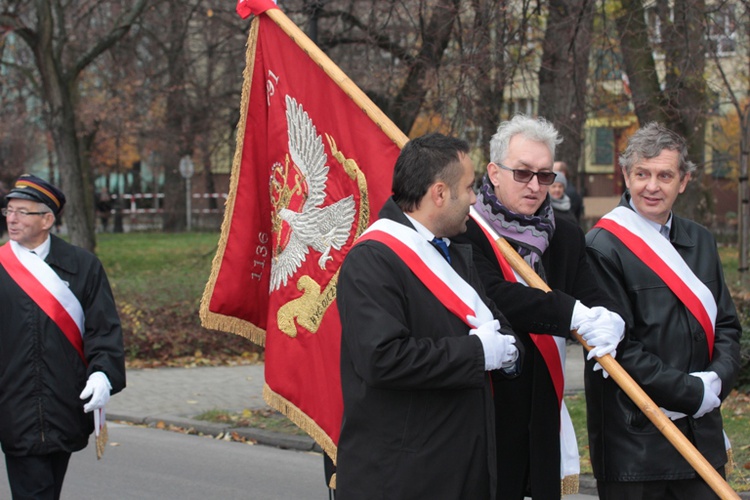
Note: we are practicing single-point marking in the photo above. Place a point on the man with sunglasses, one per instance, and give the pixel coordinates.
(536, 448)
(61, 349)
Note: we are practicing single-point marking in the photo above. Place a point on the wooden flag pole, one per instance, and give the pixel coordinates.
(633, 390)
(618, 374)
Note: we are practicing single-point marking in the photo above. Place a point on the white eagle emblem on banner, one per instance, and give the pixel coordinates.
(322, 228)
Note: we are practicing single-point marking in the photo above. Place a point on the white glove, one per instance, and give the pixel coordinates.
(580, 314)
(713, 380)
(499, 350)
(711, 391)
(673, 415)
(97, 387)
(603, 331)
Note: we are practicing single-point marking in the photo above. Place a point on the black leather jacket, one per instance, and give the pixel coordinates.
(663, 344)
(41, 374)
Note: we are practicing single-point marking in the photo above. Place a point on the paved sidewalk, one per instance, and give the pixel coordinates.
(173, 396)
(186, 392)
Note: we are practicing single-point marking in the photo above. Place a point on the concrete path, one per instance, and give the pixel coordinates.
(173, 396)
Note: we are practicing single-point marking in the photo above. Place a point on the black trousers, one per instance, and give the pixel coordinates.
(37, 477)
(694, 489)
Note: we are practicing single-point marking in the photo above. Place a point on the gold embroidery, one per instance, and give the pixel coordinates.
(309, 309)
(353, 171)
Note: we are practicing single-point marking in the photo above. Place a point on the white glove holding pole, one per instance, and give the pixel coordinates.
(499, 350)
(602, 331)
(98, 388)
(711, 391)
(580, 315)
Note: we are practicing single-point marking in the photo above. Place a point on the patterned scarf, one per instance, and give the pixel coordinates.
(528, 234)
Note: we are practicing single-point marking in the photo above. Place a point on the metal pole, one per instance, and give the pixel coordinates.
(187, 203)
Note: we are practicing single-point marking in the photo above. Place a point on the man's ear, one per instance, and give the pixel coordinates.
(684, 182)
(439, 192)
(49, 221)
(493, 171)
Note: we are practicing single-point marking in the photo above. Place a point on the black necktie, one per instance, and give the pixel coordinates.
(443, 247)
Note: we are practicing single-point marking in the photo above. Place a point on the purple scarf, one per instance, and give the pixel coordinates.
(528, 234)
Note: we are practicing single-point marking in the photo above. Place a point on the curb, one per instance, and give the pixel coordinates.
(192, 426)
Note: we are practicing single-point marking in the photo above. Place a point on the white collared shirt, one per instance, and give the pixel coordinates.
(42, 250)
(663, 230)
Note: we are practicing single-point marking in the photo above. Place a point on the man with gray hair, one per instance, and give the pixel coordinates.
(536, 446)
(62, 352)
(682, 341)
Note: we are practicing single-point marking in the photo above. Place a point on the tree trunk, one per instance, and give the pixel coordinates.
(175, 141)
(57, 90)
(682, 104)
(563, 75)
(490, 30)
(640, 66)
(435, 38)
(687, 98)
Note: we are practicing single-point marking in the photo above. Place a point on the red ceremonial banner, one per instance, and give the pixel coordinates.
(311, 171)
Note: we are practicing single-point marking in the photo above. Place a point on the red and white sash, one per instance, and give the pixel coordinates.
(658, 254)
(432, 269)
(552, 349)
(47, 290)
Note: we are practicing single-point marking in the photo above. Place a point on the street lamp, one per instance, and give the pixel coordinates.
(187, 169)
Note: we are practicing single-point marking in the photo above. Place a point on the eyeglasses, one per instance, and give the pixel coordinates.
(525, 176)
(22, 214)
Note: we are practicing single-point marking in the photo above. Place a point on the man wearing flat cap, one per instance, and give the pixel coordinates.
(61, 350)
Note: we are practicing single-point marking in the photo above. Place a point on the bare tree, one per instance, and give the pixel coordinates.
(742, 110)
(196, 57)
(563, 74)
(680, 99)
(65, 40)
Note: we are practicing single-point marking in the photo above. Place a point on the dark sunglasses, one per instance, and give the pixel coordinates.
(525, 176)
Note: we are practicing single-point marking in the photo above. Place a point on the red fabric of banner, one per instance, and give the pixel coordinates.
(247, 7)
(314, 172)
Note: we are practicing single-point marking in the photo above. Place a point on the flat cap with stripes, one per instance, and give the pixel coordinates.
(31, 187)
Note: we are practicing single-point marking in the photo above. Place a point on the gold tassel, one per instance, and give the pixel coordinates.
(569, 485)
(729, 467)
(101, 440)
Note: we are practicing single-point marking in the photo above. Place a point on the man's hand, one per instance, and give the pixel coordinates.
(499, 350)
(602, 330)
(711, 391)
(97, 387)
(580, 315)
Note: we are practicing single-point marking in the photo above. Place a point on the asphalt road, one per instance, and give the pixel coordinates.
(148, 463)
(145, 463)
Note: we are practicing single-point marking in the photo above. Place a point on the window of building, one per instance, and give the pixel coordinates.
(604, 146)
(720, 166)
(722, 30)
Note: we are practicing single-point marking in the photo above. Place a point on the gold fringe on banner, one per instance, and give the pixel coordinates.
(210, 319)
(569, 485)
(298, 417)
